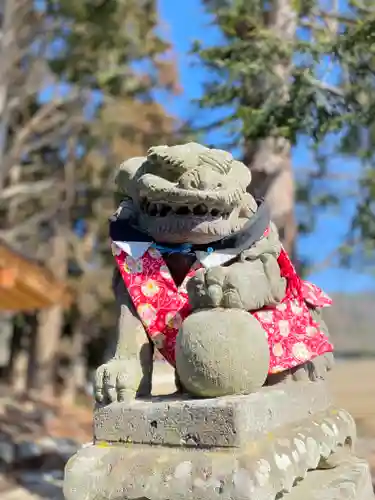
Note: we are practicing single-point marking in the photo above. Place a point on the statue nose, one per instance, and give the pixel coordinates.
(202, 181)
(205, 184)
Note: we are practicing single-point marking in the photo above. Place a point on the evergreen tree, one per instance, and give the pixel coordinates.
(356, 51)
(281, 70)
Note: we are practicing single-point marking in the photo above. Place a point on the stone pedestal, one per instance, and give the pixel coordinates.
(283, 442)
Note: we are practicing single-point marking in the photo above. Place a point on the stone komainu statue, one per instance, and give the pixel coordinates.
(200, 268)
(200, 271)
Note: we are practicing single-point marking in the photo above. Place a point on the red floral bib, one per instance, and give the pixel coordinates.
(293, 336)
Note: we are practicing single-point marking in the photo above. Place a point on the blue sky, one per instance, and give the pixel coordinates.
(186, 22)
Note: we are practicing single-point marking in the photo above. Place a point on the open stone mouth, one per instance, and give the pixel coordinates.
(164, 210)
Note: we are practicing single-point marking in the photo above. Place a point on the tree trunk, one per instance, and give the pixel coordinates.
(20, 344)
(50, 323)
(270, 159)
(272, 178)
(6, 42)
(76, 378)
(16, 348)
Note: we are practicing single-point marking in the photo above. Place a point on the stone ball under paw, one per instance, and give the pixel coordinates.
(221, 352)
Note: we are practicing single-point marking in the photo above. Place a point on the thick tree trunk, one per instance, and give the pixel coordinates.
(270, 159)
(50, 323)
(21, 342)
(271, 166)
(76, 377)
(6, 42)
(16, 374)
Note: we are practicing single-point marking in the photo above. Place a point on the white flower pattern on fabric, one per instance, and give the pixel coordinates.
(132, 266)
(314, 295)
(150, 288)
(311, 331)
(147, 313)
(173, 320)
(278, 350)
(281, 307)
(301, 352)
(284, 328)
(159, 340)
(296, 309)
(326, 300)
(164, 272)
(266, 316)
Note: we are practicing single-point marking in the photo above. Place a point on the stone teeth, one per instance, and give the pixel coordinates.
(183, 210)
(200, 209)
(152, 209)
(164, 210)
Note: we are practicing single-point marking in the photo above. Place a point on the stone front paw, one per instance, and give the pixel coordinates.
(206, 287)
(114, 382)
(220, 287)
(314, 370)
(320, 365)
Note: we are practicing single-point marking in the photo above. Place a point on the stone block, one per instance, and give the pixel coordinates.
(261, 470)
(220, 422)
(350, 480)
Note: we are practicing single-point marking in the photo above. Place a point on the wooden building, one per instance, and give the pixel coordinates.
(27, 286)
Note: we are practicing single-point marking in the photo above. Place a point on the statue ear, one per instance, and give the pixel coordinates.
(126, 174)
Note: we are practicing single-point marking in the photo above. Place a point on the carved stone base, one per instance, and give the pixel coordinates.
(350, 480)
(229, 421)
(258, 447)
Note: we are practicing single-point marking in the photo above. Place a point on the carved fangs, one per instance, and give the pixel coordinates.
(162, 210)
(200, 210)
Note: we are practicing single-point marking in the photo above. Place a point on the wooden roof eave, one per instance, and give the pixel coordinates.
(29, 286)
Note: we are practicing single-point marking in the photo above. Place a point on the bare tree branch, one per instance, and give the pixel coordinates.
(26, 189)
(28, 227)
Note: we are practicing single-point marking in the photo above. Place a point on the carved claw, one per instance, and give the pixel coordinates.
(242, 285)
(114, 381)
(320, 365)
(205, 287)
(215, 287)
(315, 369)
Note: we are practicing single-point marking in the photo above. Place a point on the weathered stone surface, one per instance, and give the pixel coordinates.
(260, 470)
(208, 360)
(228, 421)
(350, 480)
